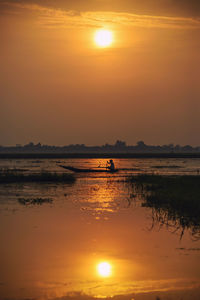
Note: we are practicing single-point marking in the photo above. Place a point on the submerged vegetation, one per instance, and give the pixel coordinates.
(34, 201)
(13, 176)
(174, 200)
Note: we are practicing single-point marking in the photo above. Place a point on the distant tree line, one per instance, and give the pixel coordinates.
(118, 147)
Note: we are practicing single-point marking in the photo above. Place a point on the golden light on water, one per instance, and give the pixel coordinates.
(103, 38)
(104, 269)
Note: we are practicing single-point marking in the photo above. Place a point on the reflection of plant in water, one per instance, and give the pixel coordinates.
(174, 200)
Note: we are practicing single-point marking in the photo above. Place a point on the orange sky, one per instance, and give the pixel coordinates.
(58, 87)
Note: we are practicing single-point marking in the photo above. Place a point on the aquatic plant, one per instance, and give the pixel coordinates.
(11, 176)
(34, 201)
(174, 200)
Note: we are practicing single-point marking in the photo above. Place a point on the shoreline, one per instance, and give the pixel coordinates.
(97, 155)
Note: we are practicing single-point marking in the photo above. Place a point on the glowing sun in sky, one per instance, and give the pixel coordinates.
(104, 269)
(103, 38)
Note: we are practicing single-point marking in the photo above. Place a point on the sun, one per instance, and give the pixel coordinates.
(104, 269)
(103, 38)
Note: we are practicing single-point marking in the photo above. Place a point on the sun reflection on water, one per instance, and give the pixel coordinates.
(103, 198)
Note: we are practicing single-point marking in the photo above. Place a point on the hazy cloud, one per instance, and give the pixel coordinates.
(57, 17)
(141, 296)
(152, 7)
(81, 296)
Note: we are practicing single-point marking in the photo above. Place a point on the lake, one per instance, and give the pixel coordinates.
(55, 249)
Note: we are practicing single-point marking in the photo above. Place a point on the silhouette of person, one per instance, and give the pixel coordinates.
(111, 165)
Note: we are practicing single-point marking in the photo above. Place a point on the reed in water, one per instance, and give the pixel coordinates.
(174, 200)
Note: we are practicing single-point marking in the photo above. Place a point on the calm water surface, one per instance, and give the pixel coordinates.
(52, 250)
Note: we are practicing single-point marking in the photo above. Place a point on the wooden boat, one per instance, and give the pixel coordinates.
(82, 170)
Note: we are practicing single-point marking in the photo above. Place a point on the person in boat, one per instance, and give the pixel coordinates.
(111, 165)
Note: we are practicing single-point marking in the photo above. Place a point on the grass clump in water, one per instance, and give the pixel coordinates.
(175, 200)
(34, 201)
(7, 176)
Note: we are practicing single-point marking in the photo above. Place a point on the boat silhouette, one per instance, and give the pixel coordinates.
(83, 170)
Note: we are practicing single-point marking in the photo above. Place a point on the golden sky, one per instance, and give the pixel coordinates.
(57, 86)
